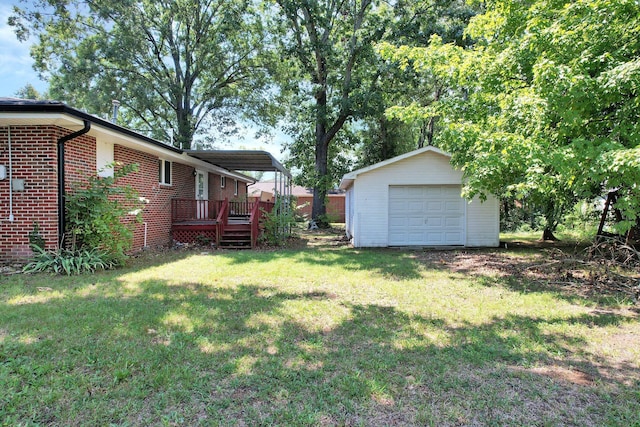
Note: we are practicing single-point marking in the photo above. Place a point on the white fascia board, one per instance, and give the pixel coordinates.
(167, 154)
(12, 118)
(73, 123)
(347, 181)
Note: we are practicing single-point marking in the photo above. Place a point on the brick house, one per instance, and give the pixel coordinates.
(47, 146)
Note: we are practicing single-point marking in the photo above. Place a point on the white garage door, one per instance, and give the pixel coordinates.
(427, 215)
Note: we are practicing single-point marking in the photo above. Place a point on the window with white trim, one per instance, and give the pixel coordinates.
(164, 172)
(235, 187)
(223, 181)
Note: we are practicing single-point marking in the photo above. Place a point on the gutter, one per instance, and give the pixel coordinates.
(61, 177)
(30, 106)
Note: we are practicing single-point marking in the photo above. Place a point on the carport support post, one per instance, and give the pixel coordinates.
(281, 201)
(290, 191)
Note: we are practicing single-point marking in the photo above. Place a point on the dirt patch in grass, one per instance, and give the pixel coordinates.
(561, 374)
(326, 238)
(564, 271)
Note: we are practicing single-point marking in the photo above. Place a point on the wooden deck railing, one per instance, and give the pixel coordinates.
(222, 219)
(193, 210)
(240, 208)
(197, 212)
(257, 213)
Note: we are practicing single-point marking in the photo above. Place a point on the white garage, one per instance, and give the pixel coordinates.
(415, 200)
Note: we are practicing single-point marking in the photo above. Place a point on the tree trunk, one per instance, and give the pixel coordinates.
(551, 213)
(505, 209)
(547, 235)
(184, 135)
(430, 130)
(319, 209)
(423, 134)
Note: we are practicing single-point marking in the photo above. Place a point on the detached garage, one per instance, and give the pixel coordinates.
(414, 200)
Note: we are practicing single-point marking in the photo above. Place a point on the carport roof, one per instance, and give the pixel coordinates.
(241, 160)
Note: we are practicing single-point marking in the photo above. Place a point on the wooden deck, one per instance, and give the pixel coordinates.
(227, 224)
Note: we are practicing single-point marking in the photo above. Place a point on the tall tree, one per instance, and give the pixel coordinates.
(414, 23)
(326, 48)
(170, 63)
(29, 92)
(546, 104)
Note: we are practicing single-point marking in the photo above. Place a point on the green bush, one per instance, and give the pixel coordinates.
(35, 238)
(96, 235)
(582, 220)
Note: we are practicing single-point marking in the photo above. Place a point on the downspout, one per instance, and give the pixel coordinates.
(11, 218)
(61, 177)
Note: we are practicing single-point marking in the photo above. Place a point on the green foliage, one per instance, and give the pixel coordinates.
(338, 87)
(69, 262)
(203, 240)
(385, 138)
(329, 77)
(582, 220)
(96, 213)
(340, 158)
(544, 107)
(278, 222)
(29, 92)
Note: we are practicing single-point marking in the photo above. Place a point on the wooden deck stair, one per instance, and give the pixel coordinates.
(237, 234)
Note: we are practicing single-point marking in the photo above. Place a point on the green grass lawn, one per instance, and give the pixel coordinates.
(318, 335)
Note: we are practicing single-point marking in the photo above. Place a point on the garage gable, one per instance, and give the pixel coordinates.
(428, 165)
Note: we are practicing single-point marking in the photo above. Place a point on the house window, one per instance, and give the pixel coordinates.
(164, 172)
(235, 187)
(223, 181)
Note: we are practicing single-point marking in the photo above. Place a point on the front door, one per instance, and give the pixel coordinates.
(202, 195)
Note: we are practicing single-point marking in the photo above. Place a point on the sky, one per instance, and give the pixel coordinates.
(16, 66)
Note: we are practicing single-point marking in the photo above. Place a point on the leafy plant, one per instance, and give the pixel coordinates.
(95, 211)
(35, 238)
(203, 240)
(277, 223)
(69, 262)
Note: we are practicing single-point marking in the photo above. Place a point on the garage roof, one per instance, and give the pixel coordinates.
(242, 160)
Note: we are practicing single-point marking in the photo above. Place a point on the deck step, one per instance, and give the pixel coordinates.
(236, 237)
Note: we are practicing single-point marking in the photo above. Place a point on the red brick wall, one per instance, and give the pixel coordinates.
(35, 161)
(79, 159)
(157, 213)
(218, 193)
(36, 164)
